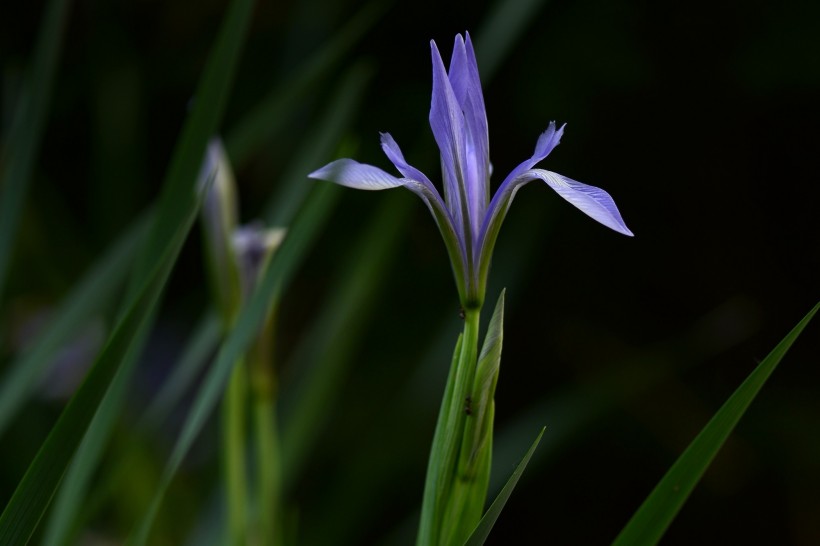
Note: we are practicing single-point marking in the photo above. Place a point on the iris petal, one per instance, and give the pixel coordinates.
(466, 85)
(592, 201)
(393, 152)
(547, 141)
(350, 173)
(447, 123)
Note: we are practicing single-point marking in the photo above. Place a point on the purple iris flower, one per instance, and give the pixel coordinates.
(469, 220)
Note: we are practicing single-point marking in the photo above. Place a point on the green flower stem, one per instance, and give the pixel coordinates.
(435, 526)
(233, 446)
(268, 457)
(469, 487)
(263, 384)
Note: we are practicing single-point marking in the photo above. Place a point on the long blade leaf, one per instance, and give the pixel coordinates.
(482, 530)
(269, 116)
(88, 297)
(179, 186)
(652, 519)
(177, 210)
(33, 494)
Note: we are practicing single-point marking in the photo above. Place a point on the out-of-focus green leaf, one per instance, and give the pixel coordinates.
(319, 145)
(88, 297)
(177, 210)
(26, 131)
(652, 519)
(68, 502)
(283, 263)
(202, 343)
(179, 192)
(482, 531)
(33, 494)
(268, 116)
(576, 408)
(340, 324)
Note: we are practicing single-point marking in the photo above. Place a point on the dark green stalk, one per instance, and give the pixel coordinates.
(447, 439)
(263, 384)
(233, 451)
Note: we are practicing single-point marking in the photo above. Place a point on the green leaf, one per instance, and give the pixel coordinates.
(26, 130)
(63, 516)
(202, 343)
(266, 118)
(87, 298)
(281, 268)
(175, 215)
(33, 494)
(482, 531)
(468, 490)
(179, 191)
(319, 145)
(651, 520)
(341, 324)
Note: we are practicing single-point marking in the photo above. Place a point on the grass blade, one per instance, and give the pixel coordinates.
(63, 516)
(203, 342)
(269, 116)
(652, 519)
(90, 296)
(206, 336)
(177, 210)
(33, 494)
(179, 187)
(341, 323)
(482, 530)
(293, 189)
(26, 130)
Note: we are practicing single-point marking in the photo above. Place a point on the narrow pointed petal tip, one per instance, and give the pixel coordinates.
(548, 140)
(350, 173)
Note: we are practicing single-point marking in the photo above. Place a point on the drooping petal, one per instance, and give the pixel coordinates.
(592, 201)
(447, 123)
(353, 174)
(500, 203)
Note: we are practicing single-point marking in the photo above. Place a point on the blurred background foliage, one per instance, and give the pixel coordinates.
(699, 118)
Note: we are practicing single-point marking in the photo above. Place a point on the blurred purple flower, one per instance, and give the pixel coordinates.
(467, 218)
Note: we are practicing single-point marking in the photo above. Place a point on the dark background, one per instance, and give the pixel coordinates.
(700, 120)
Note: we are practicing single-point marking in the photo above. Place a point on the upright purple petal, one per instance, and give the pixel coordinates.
(393, 152)
(416, 181)
(458, 72)
(466, 86)
(447, 123)
(547, 141)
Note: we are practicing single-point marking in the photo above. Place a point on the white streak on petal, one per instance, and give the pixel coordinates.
(353, 174)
